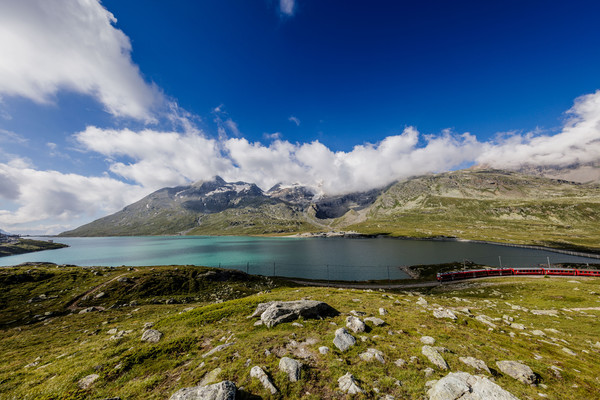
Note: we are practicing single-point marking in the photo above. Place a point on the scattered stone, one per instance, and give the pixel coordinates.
(88, 310)
(372, 354)
(444, 313)
(225, 390)
(85, 383)
(358, 313)
(475, 363)
(434, 357)
(277, 312)
(422, 302)
(428, 372)
(217, 349)
(569, 351)
(258, 373)
(462, 385)
(356, 300)
(343, 340)
(556, 371)
(210, 377)
(518, 371)
(348, 384)
(297, 324)
(258, 323)
(291, 367)
(537, 332)
(100, 295)
(427, 340)
(355, 324)
(375, 321)
(382, 311)
(124, 279)
(112, 331)
(151, 336)
(324, 349)
(552, 313)
(400, 362)
(148, 325)
(520, 327)
(486, 320)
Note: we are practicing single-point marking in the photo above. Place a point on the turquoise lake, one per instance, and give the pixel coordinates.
(314, 258)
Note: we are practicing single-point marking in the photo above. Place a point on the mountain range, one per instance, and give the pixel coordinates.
(477, 204)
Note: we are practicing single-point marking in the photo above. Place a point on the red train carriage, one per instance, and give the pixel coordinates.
(480, 273)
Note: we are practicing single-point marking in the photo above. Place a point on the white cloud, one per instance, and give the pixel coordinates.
(52, 45)
(287, 7)
(294, 120)
(57, 200)
(577, 142)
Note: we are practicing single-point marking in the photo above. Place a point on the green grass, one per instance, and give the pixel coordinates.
(71, 346)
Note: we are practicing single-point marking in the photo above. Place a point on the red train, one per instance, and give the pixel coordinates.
(482, 273)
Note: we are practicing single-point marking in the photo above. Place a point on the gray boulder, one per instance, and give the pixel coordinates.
(515, 369)
(258, 373)
(348, 384)
(151, 336)
(355, 324)
(343, 340)
(291, 367)
(464, 386)
(277, 312)
(225, 390)
(444, 313)
(427, 340)
(435, 357)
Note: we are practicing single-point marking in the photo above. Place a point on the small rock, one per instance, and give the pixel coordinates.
(358, 313)
(100, 295)
(217, 349)
(148, 325)
(355, 324)
(258, 373)
(343, 340)
(400, 362)
(375, 321)
(520, 327)
(517, 370)
(427, 340)
(422, 302)
(537, 332)
(324, 350)
(151, 336)
(291, 367)
(297, 324)
(382, 311)
(225, 390)
(444, 313)
(277, 312)
(461, 385)
(486, 320)
(434, 357)
(88, 310)
(210, 377)
(428, 372)
(569, 351)
(348, 384)
(475, 363)
(85, 383)
(372, 354)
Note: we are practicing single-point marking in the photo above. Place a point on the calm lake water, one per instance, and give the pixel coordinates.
(314, 258)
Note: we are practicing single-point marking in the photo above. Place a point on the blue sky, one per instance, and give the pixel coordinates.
(102, 103)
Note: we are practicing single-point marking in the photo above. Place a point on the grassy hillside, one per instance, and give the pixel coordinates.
(198, 309)
(489, 205)
(28, 246)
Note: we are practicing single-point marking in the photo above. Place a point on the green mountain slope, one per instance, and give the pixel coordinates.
(489, 205)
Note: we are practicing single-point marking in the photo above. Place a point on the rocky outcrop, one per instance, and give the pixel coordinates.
(463, 386)
(225, 390)
(348, 384)
(517, 370)
(291, 367)
(277, 312)
(343, 340)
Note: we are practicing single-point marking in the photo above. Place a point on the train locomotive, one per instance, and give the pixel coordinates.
(483, 273)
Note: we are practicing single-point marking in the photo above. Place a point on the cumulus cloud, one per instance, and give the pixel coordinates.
(578, 142)
(47, 200)
(287, 7)
(53, 45)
